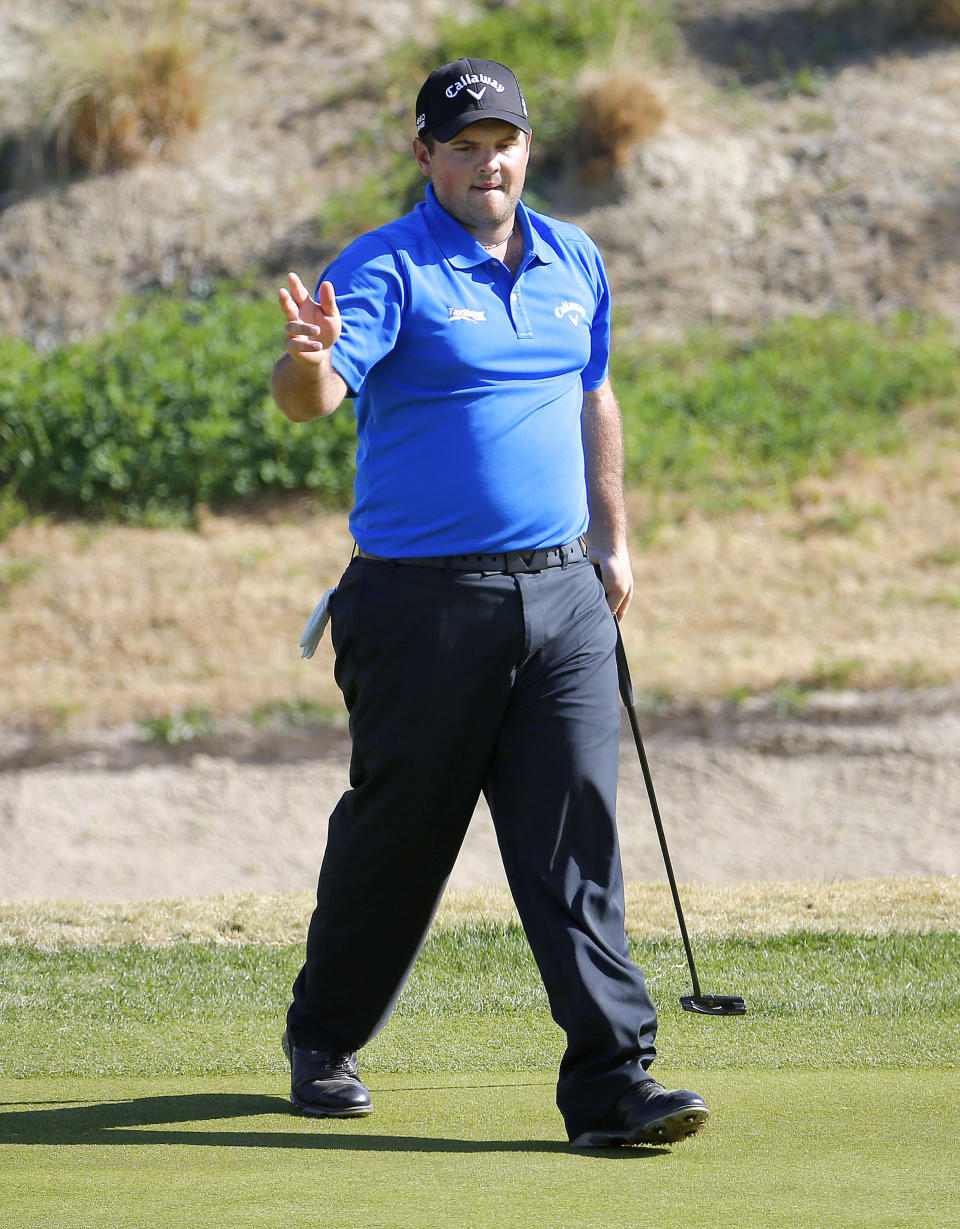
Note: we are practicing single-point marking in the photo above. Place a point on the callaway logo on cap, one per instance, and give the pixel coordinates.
(461, 93)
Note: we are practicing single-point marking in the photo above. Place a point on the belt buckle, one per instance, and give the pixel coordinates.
(515, 561)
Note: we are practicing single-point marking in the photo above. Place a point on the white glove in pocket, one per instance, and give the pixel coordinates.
(315, 625)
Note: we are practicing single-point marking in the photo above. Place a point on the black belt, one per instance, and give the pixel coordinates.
(510, 561)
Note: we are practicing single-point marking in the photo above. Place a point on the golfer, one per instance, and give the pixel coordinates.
(474, 640)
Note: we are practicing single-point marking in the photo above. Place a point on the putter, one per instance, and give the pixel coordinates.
(702, 1004)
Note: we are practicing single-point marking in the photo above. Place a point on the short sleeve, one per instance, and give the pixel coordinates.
(371, 293)
(598, 366)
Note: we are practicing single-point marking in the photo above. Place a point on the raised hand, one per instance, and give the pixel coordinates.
(312, 326)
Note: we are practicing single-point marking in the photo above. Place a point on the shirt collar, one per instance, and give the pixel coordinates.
(460, 247)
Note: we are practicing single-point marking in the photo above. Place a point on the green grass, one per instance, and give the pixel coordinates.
(144, 1086)
(475, 999)
(479, 1150)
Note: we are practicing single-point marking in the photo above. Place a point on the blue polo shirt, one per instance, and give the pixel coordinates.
(468, 383)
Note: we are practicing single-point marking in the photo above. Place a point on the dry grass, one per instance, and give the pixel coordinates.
(618, 108)
(864, 906)
(122, 83)
(945, 16)
(99, 626)
(856, 585)
(852, 906)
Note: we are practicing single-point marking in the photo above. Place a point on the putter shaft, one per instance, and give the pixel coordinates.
(710, 1004)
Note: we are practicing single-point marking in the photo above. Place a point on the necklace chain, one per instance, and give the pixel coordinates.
(500, 242)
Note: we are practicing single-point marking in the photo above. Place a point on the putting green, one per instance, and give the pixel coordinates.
(784, 1148)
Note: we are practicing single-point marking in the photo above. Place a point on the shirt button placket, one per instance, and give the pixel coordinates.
(519, 316)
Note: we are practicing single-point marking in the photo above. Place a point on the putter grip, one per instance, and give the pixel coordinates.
(623, 673)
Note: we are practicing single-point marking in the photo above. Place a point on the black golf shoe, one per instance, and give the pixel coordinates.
(647, 1113)
(326, 1083)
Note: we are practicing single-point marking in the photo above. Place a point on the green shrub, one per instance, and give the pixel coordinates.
(168, 411)
(172, 729)
(172, 410)
(724, 418)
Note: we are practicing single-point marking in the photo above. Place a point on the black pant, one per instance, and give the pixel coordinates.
(458, 683)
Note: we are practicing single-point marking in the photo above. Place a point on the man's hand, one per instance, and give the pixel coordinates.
(304, 383)
(616, 576)
(312, 327)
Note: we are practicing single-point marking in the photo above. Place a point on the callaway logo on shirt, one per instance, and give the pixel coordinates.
(573, 311)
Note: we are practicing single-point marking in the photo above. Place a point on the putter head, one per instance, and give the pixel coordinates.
(714, 1004)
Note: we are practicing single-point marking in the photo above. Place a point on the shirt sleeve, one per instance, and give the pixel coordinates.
(371, 294)
(598, 366)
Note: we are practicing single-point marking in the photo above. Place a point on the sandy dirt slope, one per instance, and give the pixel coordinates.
(772, 188)
(856, 786)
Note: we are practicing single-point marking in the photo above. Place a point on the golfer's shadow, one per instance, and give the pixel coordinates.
(142, 1120)
(147, 1120)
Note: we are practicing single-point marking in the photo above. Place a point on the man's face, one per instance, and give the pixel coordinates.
(478, 176)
